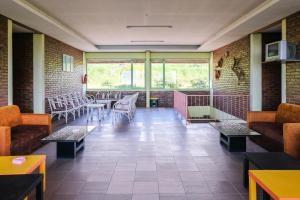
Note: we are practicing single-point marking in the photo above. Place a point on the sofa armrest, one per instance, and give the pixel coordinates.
(257, 116)
(5, 141)
(37, 119)
(291, 139)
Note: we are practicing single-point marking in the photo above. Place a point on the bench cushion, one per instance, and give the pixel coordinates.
(271, 135)
(27, 138)
(10, 116)
(288, 113)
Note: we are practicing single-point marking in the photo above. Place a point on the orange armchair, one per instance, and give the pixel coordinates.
(11, 119)
(289, 116)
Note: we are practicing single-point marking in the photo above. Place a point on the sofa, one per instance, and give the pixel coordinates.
(21, 134)
(280, 130)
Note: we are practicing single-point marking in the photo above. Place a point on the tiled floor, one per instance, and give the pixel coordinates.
(154, 157)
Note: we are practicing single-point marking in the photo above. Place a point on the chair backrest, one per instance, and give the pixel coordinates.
(51, 102)
(10, 116)
(288, 113)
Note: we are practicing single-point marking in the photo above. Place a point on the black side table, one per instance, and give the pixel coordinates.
(17, 187)
(268, 161)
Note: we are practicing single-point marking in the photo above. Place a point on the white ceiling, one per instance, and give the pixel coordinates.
(86, 23)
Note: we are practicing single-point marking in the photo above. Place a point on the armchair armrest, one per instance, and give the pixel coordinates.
(37, 119)
(291, 139)
(5, 141)
(257, 116)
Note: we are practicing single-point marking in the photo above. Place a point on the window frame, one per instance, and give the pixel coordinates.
(178, 89)
(132, 62)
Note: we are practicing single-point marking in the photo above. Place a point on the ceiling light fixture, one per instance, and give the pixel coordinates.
(147, 47)
(149, 26)
(146, 41)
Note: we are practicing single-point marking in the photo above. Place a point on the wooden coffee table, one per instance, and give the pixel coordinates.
(233, 135)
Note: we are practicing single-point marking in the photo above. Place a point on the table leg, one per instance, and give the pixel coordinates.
(39, 191)
(245, 173)
(266, 196)
(98, 111)
(252, 189)
(43, 171)
(88, 113)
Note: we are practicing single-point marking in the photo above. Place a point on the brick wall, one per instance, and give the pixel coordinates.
(228, 83)
(271, 86)
(166, 98)
(56, 80)
(293, 69)
(23, 71)
(141, 101)
(271, 76)
(3, 62)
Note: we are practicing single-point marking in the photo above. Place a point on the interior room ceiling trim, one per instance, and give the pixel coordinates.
(38, 12)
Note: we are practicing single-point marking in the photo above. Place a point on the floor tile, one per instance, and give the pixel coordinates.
(192, 176)
(171, 187)
(123, 176)
(95, 188)
(118, 197)
(196, 187)
(120, 188)
(223, 187)
(70, 187)
(154, 156)
(146, 176)
(145, 187)
(145, 197)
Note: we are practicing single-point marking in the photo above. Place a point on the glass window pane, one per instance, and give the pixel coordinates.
(157, 75)
(138, 81)
(186, 75)
(109, 75)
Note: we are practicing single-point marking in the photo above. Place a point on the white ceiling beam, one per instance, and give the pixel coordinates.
(254, 12)
(39, 13)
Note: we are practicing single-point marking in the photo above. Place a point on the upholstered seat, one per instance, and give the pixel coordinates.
(272, 135)
(27, 138)
(280, 129)
(21, 134)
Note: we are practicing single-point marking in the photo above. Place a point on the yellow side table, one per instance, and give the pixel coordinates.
(30, 165)
(279, 184)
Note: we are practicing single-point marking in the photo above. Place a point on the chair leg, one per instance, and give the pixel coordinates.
(66, 116)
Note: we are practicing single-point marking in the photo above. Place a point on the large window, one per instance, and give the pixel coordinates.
(112, 75)
(180, 74)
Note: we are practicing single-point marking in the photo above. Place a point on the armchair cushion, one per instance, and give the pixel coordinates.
(10, 116)
(37, 119)
(288, 113)
(255, 116)
(27, 138)
(272, 135)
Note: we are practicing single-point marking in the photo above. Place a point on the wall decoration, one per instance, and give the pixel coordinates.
(68, 63)
(218, 69)
(237, 69)
(226, 54)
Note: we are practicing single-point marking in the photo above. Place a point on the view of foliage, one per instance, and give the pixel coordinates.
(124, 76)
(116, 76)
(180, 75)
